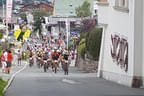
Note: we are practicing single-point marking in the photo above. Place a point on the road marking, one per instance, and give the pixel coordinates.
(69, 81)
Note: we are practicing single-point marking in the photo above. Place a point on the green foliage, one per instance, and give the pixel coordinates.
(1, 35)
(2, 86)
(38, 14)
(38, 26)
(23, 16)
(83, 10)
(93, 42)
(2, 51)
(82, 35)
(82, 47)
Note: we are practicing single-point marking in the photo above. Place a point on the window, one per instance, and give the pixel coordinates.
(103, 0)
(122, 5)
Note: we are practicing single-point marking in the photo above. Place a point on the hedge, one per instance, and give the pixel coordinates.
(93, 42)
(82, 47)
(2, 86)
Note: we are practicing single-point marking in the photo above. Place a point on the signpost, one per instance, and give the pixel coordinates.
(9, 4)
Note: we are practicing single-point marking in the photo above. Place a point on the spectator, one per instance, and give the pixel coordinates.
(9, 61)
(19, 57)
(5, 55)
(3, 63)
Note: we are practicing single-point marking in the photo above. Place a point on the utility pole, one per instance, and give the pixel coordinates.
(67, 30)
(3, 10)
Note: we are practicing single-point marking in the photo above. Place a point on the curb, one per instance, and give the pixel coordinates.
(13, 76)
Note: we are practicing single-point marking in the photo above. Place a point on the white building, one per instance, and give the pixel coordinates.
(122, 48)
(95, 8)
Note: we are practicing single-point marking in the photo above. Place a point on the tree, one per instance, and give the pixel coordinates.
(38, 26)
(39, 13)
(93, 43)
(23, 16)
(1, 35)
(83, 10)
(87, 25)
(38, 17)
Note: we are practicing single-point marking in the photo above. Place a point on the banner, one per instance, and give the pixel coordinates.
(9, 4)
(26, 35)
(17, 33)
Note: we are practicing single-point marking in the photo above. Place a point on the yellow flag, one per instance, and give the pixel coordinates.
(17, 33)
(26, 35)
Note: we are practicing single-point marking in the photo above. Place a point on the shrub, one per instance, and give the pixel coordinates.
(81, 48)
(1, 35)
(93, 42)
(82, 36)
(2, 86)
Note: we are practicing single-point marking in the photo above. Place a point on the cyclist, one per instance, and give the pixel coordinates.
(55, 60)
(31, 60)
(65, 62)
(39, 57)
(45, 60)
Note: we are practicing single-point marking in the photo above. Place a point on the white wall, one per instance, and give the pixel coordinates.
(138, 36)
(143, 40)
(103, 14)
(95, 7)
(120, 23)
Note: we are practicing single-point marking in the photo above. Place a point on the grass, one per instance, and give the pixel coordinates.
(2, 86)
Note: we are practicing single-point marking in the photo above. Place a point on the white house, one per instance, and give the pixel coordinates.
(122, 48)
(95, 8)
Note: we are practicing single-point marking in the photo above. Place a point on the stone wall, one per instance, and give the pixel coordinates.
(86, 65)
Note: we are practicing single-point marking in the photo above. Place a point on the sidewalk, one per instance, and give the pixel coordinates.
(14, 69)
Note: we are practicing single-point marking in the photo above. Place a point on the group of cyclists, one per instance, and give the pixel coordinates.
(51, 54)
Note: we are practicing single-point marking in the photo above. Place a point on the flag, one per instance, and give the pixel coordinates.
(17, 33)
(26, 35)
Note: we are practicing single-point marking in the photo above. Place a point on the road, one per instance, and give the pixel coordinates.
(34, 82)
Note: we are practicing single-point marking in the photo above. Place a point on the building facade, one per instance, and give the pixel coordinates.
(122, 48)
(67, 7)
(42, 6)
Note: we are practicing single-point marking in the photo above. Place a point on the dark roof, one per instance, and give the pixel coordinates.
(28, 4)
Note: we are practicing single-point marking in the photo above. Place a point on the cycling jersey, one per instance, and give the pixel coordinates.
(55, 56)
(65, 56)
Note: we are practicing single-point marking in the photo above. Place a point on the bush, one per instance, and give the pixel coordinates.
(82, 36)
(2, 86)
(81, 48)
(93, 42)
(1, 35)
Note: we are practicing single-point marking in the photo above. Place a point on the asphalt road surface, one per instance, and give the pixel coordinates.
(34, 82)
